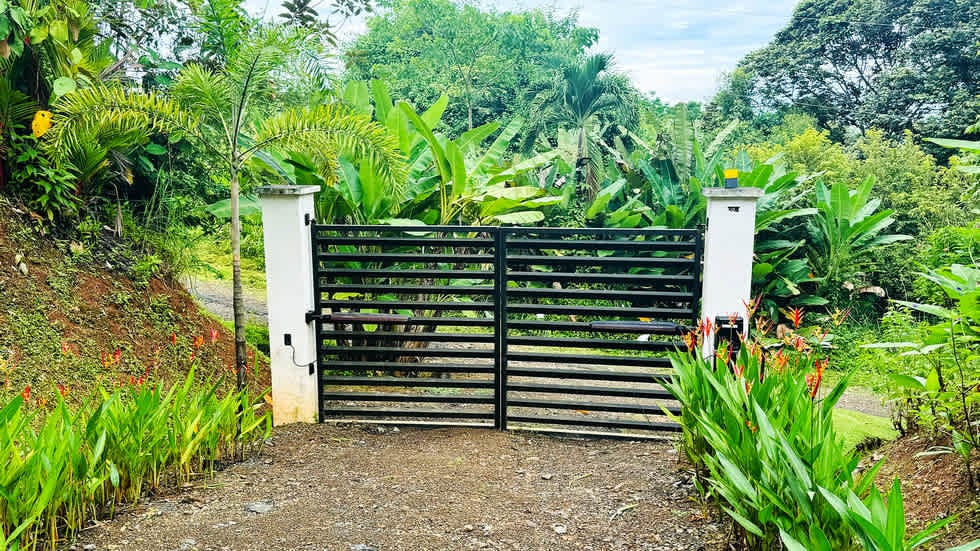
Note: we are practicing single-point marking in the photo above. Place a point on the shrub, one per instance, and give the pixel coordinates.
(112, 448)
(759, 429)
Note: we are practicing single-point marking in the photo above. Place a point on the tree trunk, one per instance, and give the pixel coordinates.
(237, 301)
(581, 169)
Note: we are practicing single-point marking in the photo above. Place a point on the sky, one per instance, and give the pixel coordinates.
(677, 49)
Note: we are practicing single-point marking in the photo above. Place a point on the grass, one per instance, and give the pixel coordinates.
(215, 264)
(854, 427)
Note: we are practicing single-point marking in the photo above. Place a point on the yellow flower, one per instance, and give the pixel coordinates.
(41, 123)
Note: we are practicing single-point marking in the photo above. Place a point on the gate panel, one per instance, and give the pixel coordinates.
(406, 323)
(577, 303)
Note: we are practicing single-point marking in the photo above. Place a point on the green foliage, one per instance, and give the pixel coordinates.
(948, 395)
(113, 448)
(484, 58)
(584, 96)
(848, 226)
(474, 183)
(763, 433)
(880, 73)
(47, 188)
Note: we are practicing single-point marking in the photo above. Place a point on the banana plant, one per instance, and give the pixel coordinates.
(846, 227)
(472, 183)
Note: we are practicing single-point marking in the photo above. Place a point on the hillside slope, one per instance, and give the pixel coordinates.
(66, 308)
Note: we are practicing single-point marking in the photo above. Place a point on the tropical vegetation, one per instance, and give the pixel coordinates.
(154, 122)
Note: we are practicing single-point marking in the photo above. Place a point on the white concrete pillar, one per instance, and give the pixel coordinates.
(728, 245)
(286, 211)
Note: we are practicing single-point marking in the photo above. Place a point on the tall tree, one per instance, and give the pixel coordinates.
(484, 60)
(581, 96)
(889, 64)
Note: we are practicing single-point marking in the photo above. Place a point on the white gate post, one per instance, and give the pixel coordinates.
(287, 212)
(728, 245)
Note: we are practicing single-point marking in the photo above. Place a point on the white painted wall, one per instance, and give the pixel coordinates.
(728, 245)
(289, 286)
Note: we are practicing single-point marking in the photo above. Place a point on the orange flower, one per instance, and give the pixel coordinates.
(65, 348)
(706, 327)
(198, 341)
(26, 393)
(63, 390)
(795, 316)
(690, 340)
(173, 339)
(763, 326)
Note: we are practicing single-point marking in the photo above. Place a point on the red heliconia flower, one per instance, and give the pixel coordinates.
(213, 333)
(690, 340)
(751, 306)
(799, 344)
(192, 356)
(63, 390)
(795, 316)
(173, 339)
(706, 327)
(65, 348)
(738, 370)
(748, 387)
(763, 326)
(117, 356)
(26, 393)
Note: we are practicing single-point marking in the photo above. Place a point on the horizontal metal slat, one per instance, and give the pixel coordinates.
(580, 374)
(420, 398)
(605, 294)
(444, 413)
(408, 382)
(609, 391)
(601, 244)
(383, 288)
(594, 311)
(410, 229)
(585, 421)
(391, 367)
(631, 261)
(331, 274)
(654, 328)
(415, 352)
(641, 409)
(567, 342)
(652, 280)
(409, 336)
(460, 306)
(586, 359)
(405, 241)
(381, 258)
(526, 232)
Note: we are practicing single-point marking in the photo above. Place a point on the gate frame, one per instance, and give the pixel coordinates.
(287, 212)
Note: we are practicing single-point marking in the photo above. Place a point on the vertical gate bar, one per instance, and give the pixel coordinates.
(500, 328)
(317, 321)
(698, 268)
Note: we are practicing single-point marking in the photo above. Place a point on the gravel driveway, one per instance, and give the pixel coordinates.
(359, 488)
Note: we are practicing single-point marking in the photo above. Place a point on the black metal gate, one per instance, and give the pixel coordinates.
(536, 328)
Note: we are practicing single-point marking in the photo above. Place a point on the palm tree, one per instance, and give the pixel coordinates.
(580, 97)
(230, 112)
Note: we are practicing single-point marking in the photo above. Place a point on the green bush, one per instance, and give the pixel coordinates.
(945, 396)
(761, 433)
(113, 448)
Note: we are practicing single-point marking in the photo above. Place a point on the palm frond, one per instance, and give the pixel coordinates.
(334, 128)
(110, 115)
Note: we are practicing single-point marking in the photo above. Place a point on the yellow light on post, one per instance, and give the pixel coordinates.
(731, 178)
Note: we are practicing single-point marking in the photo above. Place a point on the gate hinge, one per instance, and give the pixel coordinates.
(312, 316)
